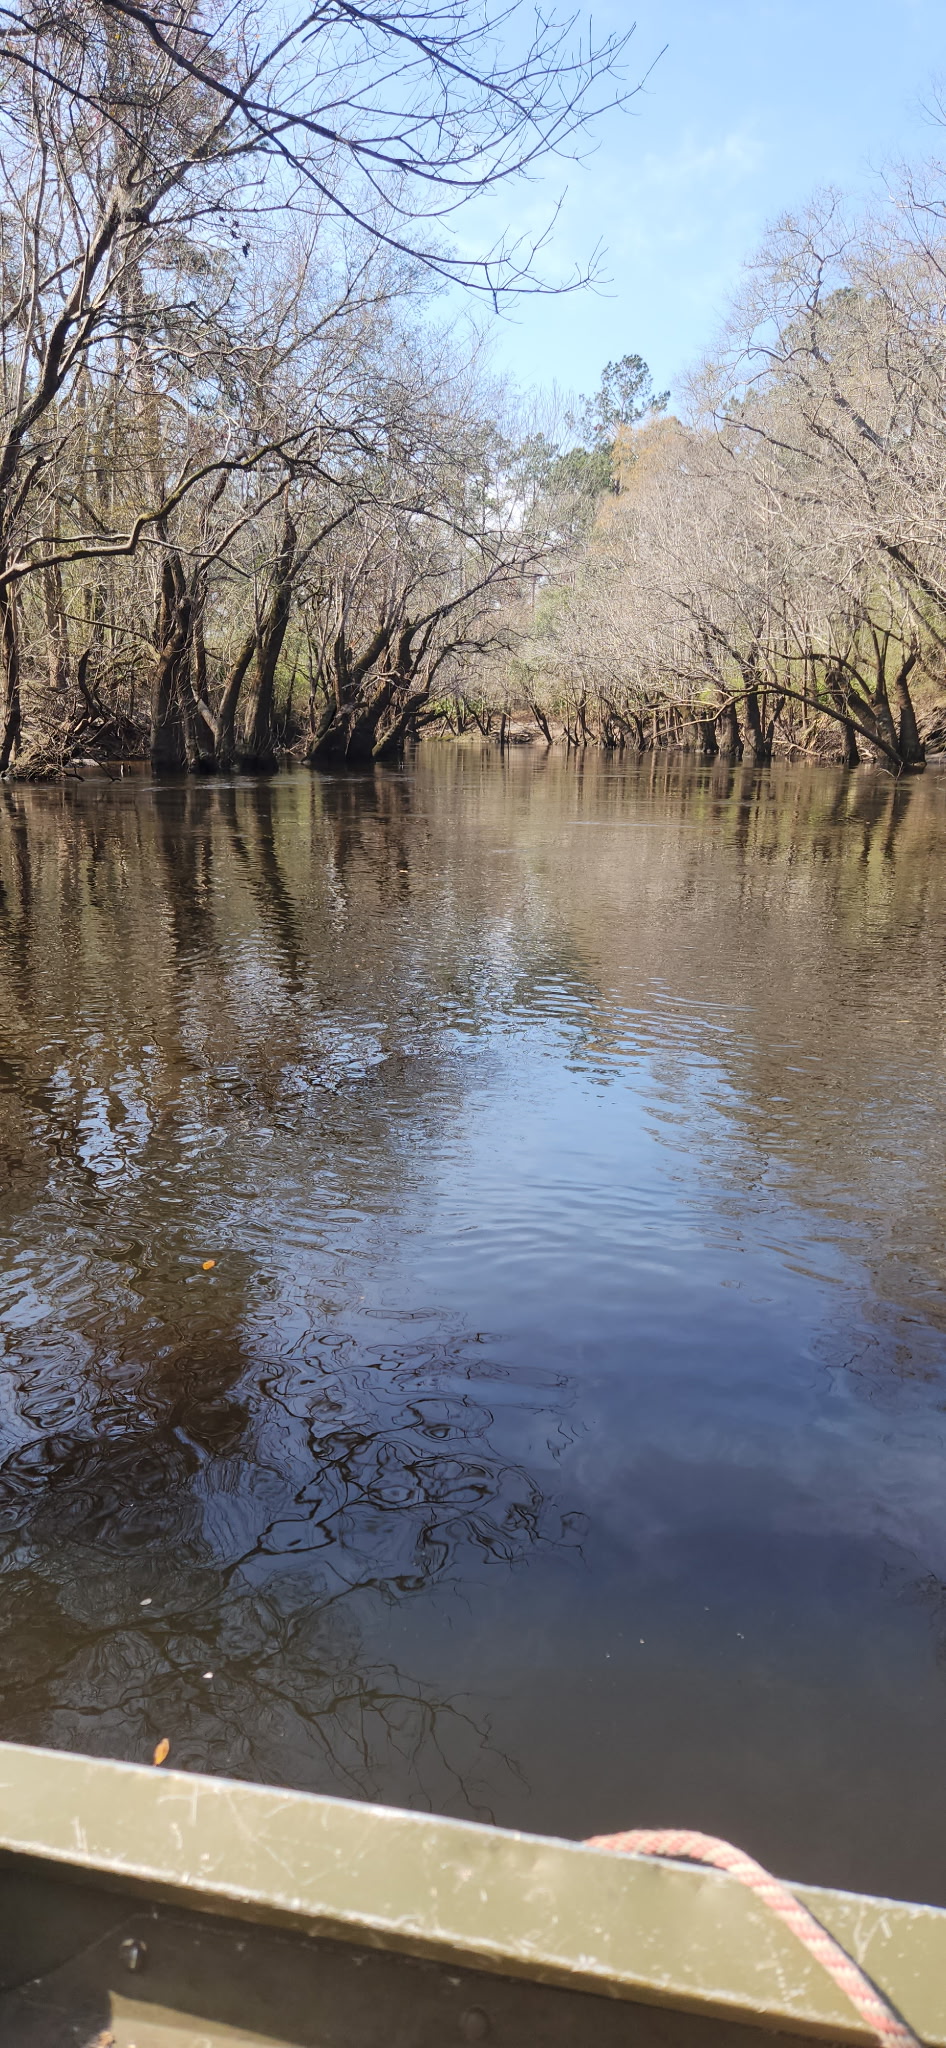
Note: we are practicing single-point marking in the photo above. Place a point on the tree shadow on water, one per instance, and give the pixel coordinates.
(210, 1555)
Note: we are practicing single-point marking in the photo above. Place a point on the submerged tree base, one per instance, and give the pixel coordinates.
(355, 746)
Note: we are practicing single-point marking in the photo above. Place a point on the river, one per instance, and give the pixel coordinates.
(557, 1436)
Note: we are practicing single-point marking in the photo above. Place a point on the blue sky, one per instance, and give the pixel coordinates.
(754, 104)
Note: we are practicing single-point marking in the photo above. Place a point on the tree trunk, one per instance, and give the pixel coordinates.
(541, 721)
(389, 746)
(481, 717)
(912, 750)
(348, 728)
(731, 745)
(834, 683)
(173, 739)
(57, 629)
(883, 719)
(771, 724)
(709, 745)
(10, 711)
(760, 751)
(880, 702)
(365, 739)
(168, 750)
(229, 701)
(260, 750)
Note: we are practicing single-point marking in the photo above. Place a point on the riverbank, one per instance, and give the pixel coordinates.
(485, 724)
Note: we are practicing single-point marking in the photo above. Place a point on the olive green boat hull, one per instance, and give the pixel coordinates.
(156, 1909)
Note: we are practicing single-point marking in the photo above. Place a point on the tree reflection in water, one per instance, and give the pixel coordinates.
(210, 1519)
(189, 1485)
(634, 1069)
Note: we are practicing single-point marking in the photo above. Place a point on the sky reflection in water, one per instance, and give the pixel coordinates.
(558, 1437)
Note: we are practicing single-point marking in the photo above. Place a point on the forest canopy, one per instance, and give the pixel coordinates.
(258, 494)
(769, 572)
(237, 460)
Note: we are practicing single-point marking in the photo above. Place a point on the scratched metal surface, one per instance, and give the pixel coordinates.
(160, 1978)
(516, 1904)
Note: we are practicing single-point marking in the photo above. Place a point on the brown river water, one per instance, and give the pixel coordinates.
(558, 1436)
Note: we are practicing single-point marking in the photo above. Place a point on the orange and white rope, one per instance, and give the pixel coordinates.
(886, 2025)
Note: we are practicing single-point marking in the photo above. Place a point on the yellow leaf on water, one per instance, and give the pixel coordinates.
(208, 1265)
(163, 1750)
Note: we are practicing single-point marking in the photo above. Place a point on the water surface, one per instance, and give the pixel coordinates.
(558, 1435)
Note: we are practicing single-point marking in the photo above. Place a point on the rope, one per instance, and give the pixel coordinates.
(886, 2025)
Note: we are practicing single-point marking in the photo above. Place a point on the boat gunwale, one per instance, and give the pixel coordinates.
(500, 1901)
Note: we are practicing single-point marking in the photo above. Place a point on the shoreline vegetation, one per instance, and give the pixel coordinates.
(258, 501)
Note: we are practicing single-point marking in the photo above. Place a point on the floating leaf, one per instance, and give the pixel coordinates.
(163, 1750)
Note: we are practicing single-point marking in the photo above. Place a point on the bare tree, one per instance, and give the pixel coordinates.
(150, 156)
(774, 574)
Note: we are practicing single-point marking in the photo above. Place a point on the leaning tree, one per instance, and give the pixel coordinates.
(147, 155)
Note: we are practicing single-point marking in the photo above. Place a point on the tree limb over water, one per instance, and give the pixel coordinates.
(216, 232)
